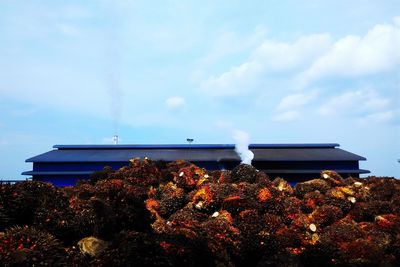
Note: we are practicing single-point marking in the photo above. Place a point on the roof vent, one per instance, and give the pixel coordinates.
(115, 139)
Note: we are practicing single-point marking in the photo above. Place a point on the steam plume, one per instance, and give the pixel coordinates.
(113, 71)
(242, 146)
(115, 97)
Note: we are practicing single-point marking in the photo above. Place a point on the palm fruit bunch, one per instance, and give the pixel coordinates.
(27, 246)
(57, 219)
(4, 219)
(243, 173)
(107, 207)
(20, 201)
(139, 172)
(101, 175)
(5, 197)
(320, 185)
(178, 214)
(169, 198)
(131, 248)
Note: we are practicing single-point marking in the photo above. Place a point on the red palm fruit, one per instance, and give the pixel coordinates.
(326, 215)
(332, 177)
(27, 246)
(310, 186)
(243, 173)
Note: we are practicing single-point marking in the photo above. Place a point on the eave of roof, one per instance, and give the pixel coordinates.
(195, 146)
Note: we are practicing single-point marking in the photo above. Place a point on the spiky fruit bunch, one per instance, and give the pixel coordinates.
(27, 246)
(140, 249)
(282, 186)
(332, 177)
(349, 245)
(223, 238)
(55, 217)
(169, 197)
(336, 197)
(125, 204)
(101, 175)
(227, 218)
(189, 177)
(243, 173)
(57, 221)
(382, 189)
(367, 211)
(6, 192)
(21, 200)
(144, 172)
(250, 224)
(310, 186)
(75, 258)
(107, 207)
(187, 221)
(326, 215)
(4, 219)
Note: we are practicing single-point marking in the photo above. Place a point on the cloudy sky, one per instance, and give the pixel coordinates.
(77, 72)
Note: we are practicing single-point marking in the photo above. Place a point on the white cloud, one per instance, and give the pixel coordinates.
(396, 20)
(286, 116)
(290, 106)
(311, 58)
(379, 117)
(354, 55)
(175, 102)
(237, 81)
(295, 101)
(228, 43)
(268, 58)
(361, 102)
(280, 56)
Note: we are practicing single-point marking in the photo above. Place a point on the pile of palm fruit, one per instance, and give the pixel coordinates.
(177, 214)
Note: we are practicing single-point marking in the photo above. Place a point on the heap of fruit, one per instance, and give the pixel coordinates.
(177, 214)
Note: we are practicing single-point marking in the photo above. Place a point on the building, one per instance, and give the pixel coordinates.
(66, 164)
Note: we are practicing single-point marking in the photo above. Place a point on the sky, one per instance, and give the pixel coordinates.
(158, 72)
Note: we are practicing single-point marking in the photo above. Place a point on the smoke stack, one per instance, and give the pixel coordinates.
(115, 139)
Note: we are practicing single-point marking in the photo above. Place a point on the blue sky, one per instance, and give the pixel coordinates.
(76, 72)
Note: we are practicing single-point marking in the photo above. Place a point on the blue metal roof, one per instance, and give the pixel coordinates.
(195, 146)
(167, 153)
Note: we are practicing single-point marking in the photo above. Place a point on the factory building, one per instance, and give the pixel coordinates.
(66, 164)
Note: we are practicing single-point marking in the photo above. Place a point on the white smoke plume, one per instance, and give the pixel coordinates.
(113, 61)
(242, 141)
(115, 97)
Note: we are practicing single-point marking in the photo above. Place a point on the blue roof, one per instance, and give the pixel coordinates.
(262, 152)
(195, 146)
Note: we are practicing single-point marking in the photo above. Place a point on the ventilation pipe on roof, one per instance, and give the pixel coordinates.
(190, 140)
(115, 139)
